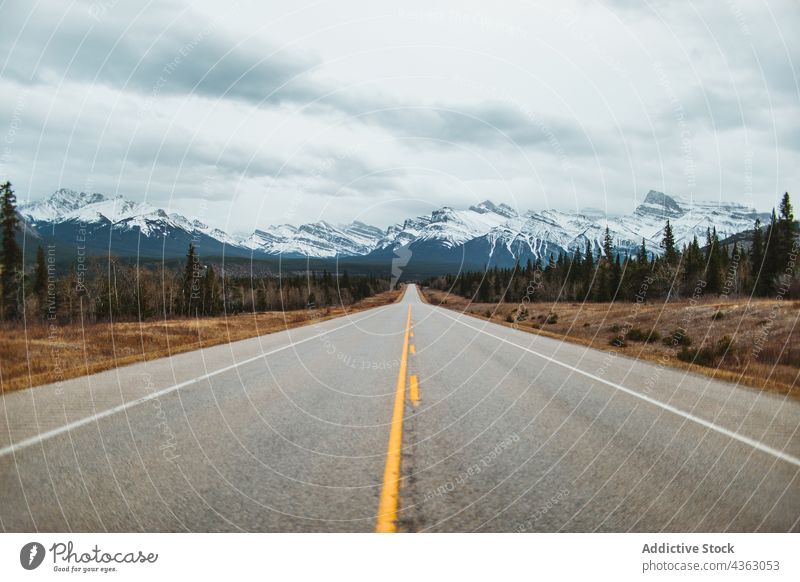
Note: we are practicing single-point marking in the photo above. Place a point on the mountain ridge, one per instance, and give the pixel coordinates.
(484, 233)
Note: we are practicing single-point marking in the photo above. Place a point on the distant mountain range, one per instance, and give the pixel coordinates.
(446, 239)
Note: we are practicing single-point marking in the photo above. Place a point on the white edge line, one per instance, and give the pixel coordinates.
(13, 448)
(669, 408)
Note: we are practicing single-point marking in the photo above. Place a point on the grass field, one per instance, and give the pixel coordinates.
(755, 342)
(37, 354)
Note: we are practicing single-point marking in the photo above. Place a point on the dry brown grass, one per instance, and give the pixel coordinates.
(776, 367)
(38, 355)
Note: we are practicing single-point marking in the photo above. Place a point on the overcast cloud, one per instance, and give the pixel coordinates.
(293, 112)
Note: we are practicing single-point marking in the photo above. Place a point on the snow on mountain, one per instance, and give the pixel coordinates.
(62, 202)
(546, 232)
(688, 218)
(448, 227)
(318, 239)
(123, 215)
(498, 228)
(552, 231)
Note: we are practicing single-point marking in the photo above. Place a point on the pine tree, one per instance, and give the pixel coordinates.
(608, 245)
(788, 228)
(588, 271)
(693, 264)
(733, 270)
(40, 280)
(756, 283)
(641, 256)
(784, 246)
(10, 255)
(210, 295)
(191, 282)
(616, 278)
(713, 263)
(772, 248)
(576, 267)
(668, 244)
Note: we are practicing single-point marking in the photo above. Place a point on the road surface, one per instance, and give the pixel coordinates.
(403, 418)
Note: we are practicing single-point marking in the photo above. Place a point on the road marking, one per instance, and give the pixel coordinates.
(668, 407)
(413, 391)
(413, 349)
(387, 507)
(13, 448)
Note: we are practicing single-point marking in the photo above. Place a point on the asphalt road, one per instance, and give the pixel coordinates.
(488, 428)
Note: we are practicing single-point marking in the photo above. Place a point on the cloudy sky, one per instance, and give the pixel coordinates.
(248, 116)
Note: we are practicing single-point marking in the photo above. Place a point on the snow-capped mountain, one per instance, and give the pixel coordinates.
(448, 227)
(318, 240)
(482, 234)
(92, 209)
(506, 236)
(137, 228)
(102, 225)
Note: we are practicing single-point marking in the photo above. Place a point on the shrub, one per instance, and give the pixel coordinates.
(552, 318)
(636, 335)
(615, 328)
(618, 341)
(709, 355)
(677, 338)
(717, 315)
(487, 313)
(510, 318)
(723, 345)
(587, 324)
(639, 335)
(654, 336)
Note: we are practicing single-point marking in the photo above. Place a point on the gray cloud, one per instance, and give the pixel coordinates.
(488, 124)
(169, 50)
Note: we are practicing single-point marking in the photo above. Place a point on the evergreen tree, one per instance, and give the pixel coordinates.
(787, 227)
(40, 280)
(733, 270)
(576, 267)
(616, 278)
(10, 255)
(608, 245)
(588, 271)
(713, 263)
(211, 305)
(756, 283)
(668, 244)
(772, 260)
(191, 282)
(641, 256)
(693, 263)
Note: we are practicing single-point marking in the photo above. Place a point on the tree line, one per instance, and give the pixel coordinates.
(765, 267)
(96, 289)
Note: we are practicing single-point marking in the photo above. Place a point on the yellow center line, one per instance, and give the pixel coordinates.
(413, 350)
(387, 506)
(413, 391)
